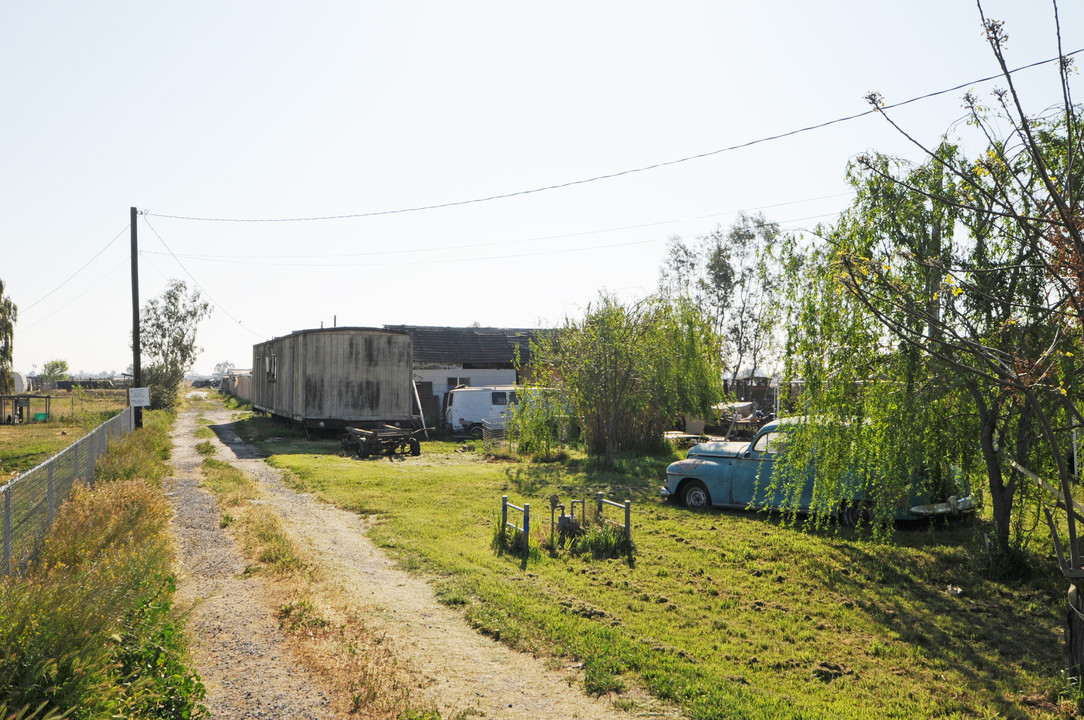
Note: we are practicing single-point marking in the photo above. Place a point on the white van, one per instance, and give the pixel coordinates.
(467, 407)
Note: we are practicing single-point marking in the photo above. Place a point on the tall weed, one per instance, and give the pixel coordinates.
(90, 630)
(143, 453)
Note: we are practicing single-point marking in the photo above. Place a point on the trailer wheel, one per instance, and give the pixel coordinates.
(415, 447)
(363, 447)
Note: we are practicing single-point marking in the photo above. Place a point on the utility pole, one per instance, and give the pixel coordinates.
(137, 372)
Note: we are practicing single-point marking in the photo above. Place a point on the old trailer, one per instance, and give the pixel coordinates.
(336, 377)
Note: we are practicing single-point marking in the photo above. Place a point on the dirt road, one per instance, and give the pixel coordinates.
(244, 658)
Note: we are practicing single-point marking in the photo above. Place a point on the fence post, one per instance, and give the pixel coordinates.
(598, 499)
(90, 462)
(628, 520)
(50, 491)
(504, 515)
(6, 564)
(526, 527)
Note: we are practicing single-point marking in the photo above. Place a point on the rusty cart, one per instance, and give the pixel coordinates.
(388, 440)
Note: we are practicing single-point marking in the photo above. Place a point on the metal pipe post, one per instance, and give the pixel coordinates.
(526, 527)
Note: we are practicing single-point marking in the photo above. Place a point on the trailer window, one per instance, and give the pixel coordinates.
(500, 398)
(454, 382)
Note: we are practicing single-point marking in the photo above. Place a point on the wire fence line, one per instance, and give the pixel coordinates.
(28, 503)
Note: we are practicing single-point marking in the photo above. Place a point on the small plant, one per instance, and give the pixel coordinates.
(507, 540)
(301, 615)
(206, 448)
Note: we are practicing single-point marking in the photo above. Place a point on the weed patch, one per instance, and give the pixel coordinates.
(90, 630)
(143, 453)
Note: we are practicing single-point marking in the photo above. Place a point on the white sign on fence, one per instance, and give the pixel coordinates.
(139, 397)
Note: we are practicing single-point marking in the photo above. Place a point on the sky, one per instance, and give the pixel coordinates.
(245, 131)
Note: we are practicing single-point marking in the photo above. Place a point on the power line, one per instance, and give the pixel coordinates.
(202, 289)
(548, 251)
(620, 173)
(102, 279)
(242, 259)
(88, 262)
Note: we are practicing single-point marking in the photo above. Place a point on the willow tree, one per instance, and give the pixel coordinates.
(879, 420)
(974, 268)
(626, 370)
(8, 314)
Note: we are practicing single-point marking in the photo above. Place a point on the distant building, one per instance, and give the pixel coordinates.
(446, 357)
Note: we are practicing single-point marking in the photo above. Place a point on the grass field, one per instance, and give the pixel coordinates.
(726, 614)
(72, 415)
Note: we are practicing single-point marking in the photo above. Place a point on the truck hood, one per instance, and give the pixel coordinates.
(718, 449)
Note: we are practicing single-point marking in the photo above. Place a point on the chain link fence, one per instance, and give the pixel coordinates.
(29, 502)
(499, 436)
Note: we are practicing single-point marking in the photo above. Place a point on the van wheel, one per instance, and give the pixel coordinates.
(695, 495)
(475, 431)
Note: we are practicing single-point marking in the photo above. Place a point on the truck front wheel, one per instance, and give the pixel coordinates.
(695, 495)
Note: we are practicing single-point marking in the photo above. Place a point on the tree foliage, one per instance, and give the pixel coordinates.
(167, 327)
(952, 288)
(729, 277)
(8, 315)
(626, 370)
(55, 370)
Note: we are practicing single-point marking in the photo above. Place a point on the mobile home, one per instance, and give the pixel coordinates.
(335, 377)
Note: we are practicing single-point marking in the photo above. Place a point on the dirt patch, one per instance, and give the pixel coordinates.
(459, 671)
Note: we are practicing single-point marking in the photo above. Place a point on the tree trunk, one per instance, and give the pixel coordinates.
(1001, 495)
(1074, 631)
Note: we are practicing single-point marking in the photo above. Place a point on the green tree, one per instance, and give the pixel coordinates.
(8, 314)
(973, 268)
(626, 370)
(55, 370)
(167, 328)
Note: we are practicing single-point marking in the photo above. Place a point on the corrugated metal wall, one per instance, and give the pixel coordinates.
(340, 374)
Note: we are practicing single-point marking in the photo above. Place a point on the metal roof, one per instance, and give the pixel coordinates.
(468, 345)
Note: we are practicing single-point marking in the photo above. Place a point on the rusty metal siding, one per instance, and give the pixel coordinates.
(360, 375)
